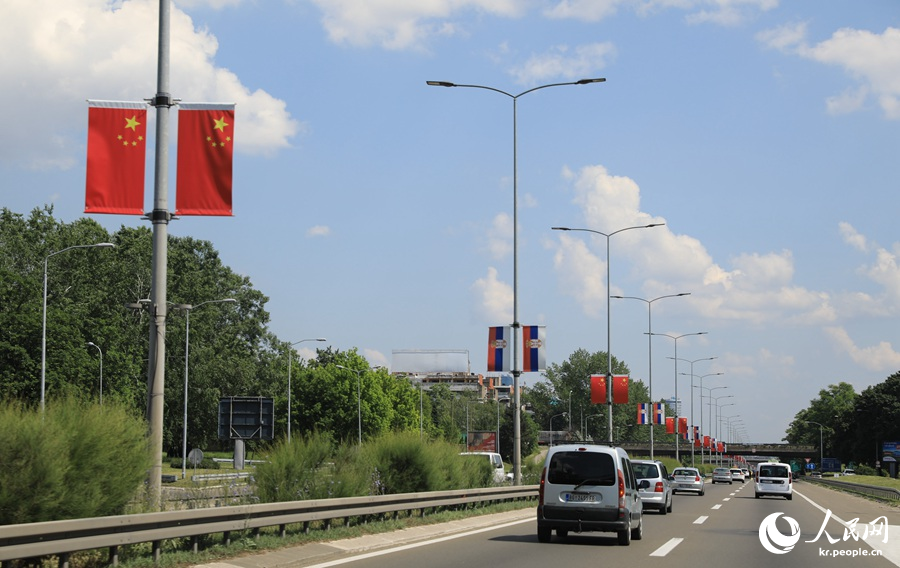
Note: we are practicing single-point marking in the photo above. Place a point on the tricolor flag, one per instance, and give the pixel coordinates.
(499, 349)
(696, 432)
(534, 353)
(116, 154)
(642, 414)
(205, 147)
(659, 413)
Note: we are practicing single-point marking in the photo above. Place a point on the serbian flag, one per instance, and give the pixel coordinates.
(620, 389)
(670, 425)
(205, 146)
(116, 154)
(696, 432)
(598, 389)
(499, 349)
(682, 425)
(659, 413)
(642, 417)
(534, 354)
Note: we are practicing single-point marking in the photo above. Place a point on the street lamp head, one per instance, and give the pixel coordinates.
(440, 84)
(588, 81)
(92, 344)
(560, 228)
(104, 245)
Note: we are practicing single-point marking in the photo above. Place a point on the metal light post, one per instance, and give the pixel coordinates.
(290, 364)
(359, 397)
(188, 308)
(609, 385)
(551, 424)
(729, 437)
(719, 408)
(701, 405)
(691, 434)
(675, 338)
(821, 439)
(92, 344)
(517, 414)
(44, 320)
(650, 350)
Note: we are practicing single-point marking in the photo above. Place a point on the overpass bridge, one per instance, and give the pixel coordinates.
(750, 452)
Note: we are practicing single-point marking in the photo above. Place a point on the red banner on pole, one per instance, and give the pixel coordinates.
(116, 156)
(205, 147)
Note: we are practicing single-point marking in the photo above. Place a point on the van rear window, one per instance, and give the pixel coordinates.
(773, 471)
(574, 468)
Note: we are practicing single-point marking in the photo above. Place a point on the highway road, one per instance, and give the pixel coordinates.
(721, 528)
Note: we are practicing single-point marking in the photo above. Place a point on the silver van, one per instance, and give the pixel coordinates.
(587, 487)
(499, 472)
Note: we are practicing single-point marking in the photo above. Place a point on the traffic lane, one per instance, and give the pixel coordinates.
(731, 530)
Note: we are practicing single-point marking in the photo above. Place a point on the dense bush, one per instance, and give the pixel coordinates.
(314, 467)
(76, 460)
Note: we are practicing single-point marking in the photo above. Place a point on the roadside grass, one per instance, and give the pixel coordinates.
(875, 480)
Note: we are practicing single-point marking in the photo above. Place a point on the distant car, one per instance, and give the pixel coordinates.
(737, 474)
(747, 475)
(722, 475)
(658, 495)
(816, 475)
(849, 472)
(687, 479)
(774, 479)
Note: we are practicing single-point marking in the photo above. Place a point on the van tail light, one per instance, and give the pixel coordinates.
(697, 478)
(541, 488)
(659, 487)
(621, 493)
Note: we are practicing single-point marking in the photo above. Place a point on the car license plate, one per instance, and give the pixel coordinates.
(579, 497)
(685, 486)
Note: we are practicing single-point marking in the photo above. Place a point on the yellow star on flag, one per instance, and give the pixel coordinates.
(132, 123)
(220, 124)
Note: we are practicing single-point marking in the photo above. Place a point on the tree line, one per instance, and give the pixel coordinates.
(231, 351)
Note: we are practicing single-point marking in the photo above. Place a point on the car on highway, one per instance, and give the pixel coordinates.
(747, 474)
(687, 479)
(737, 474)
(848, 472)
(588, 487)
(498, 472)
(658, 495)
(722, 475)
(774, 478)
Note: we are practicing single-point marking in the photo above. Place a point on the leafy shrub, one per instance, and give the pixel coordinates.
(296, 471)
(76, 460)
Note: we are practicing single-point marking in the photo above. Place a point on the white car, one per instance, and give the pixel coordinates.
(737, 474)
(499, 476)
(586, 487)
(774, 479)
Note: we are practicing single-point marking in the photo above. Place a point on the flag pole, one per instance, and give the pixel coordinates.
(159, 217)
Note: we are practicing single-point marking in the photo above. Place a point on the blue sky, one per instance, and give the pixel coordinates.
(376, 211)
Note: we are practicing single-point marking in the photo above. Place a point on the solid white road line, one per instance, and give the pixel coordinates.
(667, 547)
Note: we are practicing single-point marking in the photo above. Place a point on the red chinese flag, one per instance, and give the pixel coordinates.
(116, 154)
(670, 425)
(682, 425)
(598, 389)
(205, 145)
(620, 389)
(705, 441)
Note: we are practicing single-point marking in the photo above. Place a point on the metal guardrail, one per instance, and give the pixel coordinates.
(886, 493)
(61, 538)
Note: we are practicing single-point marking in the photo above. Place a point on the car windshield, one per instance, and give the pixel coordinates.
(576, 468)
(645, 470)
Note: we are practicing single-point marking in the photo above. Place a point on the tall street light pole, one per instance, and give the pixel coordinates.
(290, 364)
(44, 320)
(691, 434)
(718, 412)
(92, 344)
(358, 396)
(609, 385)
(675, 338)
(701, 387)
(187, 309)
(650, 350)
(517, 414)
(821, 439)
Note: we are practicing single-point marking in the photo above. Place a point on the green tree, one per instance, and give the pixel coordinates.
(827, 409)
(875, 419)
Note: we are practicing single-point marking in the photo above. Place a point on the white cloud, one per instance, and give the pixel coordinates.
(318, 231)
(585, 10)
(872, 59)
(401, 24)
(852, 237)
(376, 358)
(566, 63)
(67, 52)
(756, 288)
(500, 237)
(722, 12)
(494, 299)
(880, 358)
